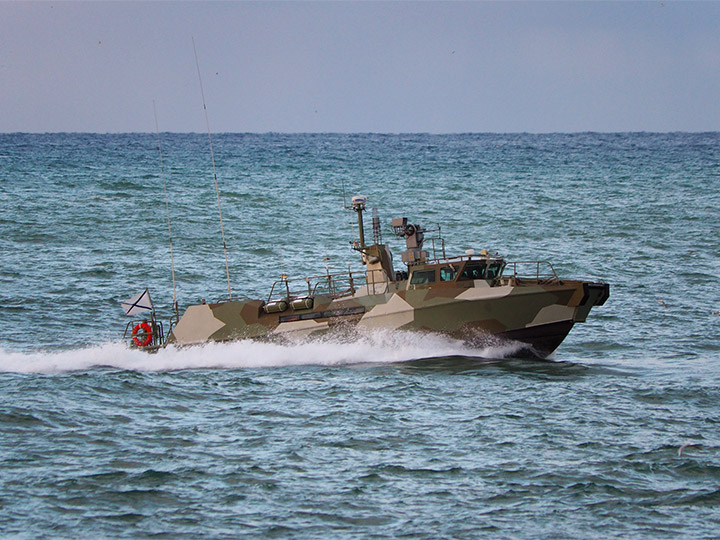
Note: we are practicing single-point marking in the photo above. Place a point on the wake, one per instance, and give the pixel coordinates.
(372, 348)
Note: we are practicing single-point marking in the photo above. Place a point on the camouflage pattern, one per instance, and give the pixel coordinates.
(473, 298)
(538, 311)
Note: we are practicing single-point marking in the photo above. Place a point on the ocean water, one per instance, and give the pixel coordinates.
(390, 436)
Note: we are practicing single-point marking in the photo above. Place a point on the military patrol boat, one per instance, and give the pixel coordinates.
(480, 299)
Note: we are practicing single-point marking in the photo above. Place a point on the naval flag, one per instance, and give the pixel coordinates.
(137, 304)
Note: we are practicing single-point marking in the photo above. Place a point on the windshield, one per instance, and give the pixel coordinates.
(422, 276)
(448, 273)
(494, 270)
(473, 270)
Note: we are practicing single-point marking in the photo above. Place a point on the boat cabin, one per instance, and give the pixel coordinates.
(456, 271)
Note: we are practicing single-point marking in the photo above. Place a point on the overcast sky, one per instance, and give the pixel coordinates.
(440, 67)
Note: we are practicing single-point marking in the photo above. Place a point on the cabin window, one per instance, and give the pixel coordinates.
(422, 276)
(447, 273)
(494, 270)
(473, 271)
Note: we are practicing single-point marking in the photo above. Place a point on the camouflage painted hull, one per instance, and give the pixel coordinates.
(480, 299)
(535, 313)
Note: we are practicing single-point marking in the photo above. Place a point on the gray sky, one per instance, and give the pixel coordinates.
(360, 66)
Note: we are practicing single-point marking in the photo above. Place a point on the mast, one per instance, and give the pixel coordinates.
(358, 204)
(376, 257)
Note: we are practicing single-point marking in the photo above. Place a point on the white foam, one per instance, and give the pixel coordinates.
(372, 347)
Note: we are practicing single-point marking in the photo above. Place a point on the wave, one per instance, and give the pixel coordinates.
(372, 348)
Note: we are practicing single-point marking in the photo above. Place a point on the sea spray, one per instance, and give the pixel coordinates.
(369, 347)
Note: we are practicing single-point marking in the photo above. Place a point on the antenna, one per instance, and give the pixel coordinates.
(167, 209)
(212, 159)
(344, 198)
(377, 231)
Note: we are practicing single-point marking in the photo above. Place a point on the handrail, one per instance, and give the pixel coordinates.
(461, 258)
(435, 249)
(343, 284)
(336, 285)
(548, 274)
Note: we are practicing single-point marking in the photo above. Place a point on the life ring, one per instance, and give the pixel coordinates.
(138, 339)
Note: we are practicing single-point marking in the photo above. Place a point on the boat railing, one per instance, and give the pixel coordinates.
(437, 247)
(332, 285)
(538, 271)
(462, 258)
(174, 319)
(145, 333)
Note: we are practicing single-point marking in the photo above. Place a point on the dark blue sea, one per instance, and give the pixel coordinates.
(391, 436)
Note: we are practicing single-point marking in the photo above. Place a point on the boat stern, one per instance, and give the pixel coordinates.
(222, 321)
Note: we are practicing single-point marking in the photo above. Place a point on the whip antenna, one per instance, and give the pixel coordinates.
(212, 159)
(345, 206)
(167, 207)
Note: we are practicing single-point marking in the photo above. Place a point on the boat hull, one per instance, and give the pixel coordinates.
(536, 315)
